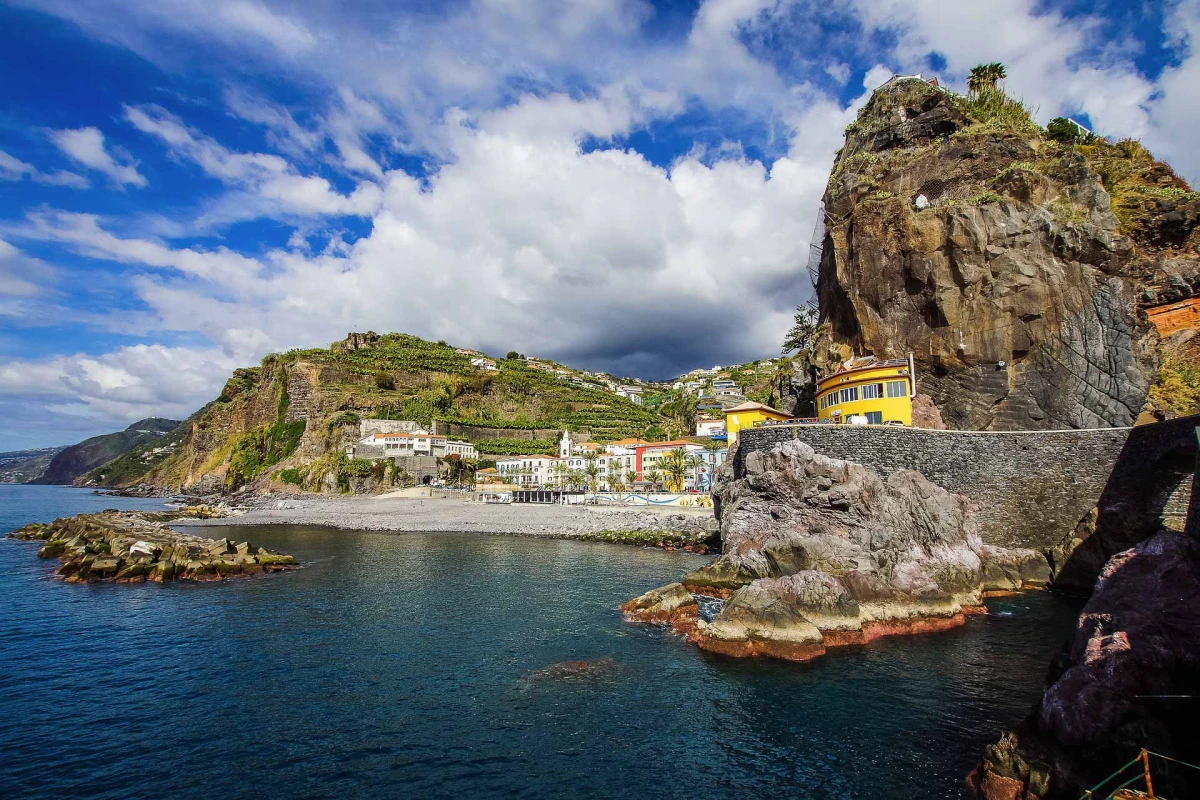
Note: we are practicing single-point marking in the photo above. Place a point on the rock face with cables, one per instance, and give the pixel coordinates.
(994, 255)
(1129, 681)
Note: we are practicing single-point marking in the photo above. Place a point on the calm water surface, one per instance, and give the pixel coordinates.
(402, 666)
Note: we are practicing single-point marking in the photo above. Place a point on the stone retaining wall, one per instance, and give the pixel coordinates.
(1032, 487)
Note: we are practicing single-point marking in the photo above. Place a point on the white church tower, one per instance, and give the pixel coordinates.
(564, 445)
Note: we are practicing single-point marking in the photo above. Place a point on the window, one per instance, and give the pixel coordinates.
(897, 388)
(874, 417)
(848, 395)
(872, 391)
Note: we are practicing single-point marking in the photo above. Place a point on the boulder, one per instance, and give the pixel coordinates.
(820, 552)
(661, 605)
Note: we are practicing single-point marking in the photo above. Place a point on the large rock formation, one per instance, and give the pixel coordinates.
(820, 552)
(1128, 681)
(995, 256)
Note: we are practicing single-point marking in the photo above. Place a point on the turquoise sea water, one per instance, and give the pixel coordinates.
(407, 666)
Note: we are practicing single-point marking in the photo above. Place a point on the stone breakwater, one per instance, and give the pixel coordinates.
(133, 547)
(819, 552)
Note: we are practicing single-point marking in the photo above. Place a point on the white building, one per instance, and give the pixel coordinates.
(461, 449)
(633, 393)
(484, 363)
(710, 427)
(529, 470)
(419, 444)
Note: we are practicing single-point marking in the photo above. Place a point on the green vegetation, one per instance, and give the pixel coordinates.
(1133, 179)
(805, 331)
(131, 466)
(1177, 391)
(261, 448)
(1063, 130)
(385, 380)
(516, 447)
(985, 77)
(993, 111)
(986, 196)
(292, 475)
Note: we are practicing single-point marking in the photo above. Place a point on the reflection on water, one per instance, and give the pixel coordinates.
(442, 665)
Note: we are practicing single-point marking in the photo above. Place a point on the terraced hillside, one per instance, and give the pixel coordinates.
(298, 411)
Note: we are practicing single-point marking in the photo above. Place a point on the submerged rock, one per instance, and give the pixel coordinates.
(1128, 681)
(578, 670)
(821, 552)
(134, 547)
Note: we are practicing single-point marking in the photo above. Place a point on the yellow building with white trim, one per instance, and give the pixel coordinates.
(747, 415)
(866, 388)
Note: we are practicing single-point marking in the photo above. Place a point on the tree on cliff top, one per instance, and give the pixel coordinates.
(984, 77)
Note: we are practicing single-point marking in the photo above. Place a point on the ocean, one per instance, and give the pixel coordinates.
(422, 665)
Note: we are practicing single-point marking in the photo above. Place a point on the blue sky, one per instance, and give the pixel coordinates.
(624, 185)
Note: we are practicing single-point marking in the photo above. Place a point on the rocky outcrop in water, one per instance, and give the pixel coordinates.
(994, 255)
(820, 552)
(135, 547)
(1129, 680)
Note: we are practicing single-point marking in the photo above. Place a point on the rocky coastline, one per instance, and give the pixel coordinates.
(136, 547)
(819, 552)
(1128, 680)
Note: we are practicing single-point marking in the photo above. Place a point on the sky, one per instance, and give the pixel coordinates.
(621, 185)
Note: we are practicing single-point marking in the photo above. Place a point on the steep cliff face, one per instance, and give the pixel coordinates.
(961, 233)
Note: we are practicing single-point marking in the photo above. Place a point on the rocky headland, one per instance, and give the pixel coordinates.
(818, 552)
(1014, 267)
(135, 547)
(1129, 680)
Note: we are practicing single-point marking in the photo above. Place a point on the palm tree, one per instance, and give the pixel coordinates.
(695, 463)
(783, 376)
(713, 447)
(576, 478)
(654, 476)
(675, 466)
(984, 77)
(591, 468)
(560, 470)
(616, 477)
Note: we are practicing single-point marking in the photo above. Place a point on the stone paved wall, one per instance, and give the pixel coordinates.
(1032, 487)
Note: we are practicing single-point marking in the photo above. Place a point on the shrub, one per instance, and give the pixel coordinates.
(1177, 390)
(1062, 130)
(292, 475)
(994, 108)
(512, 355)
(385, 380)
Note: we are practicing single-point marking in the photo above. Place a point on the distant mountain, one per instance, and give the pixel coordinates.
(72, 462)
(23, 466)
